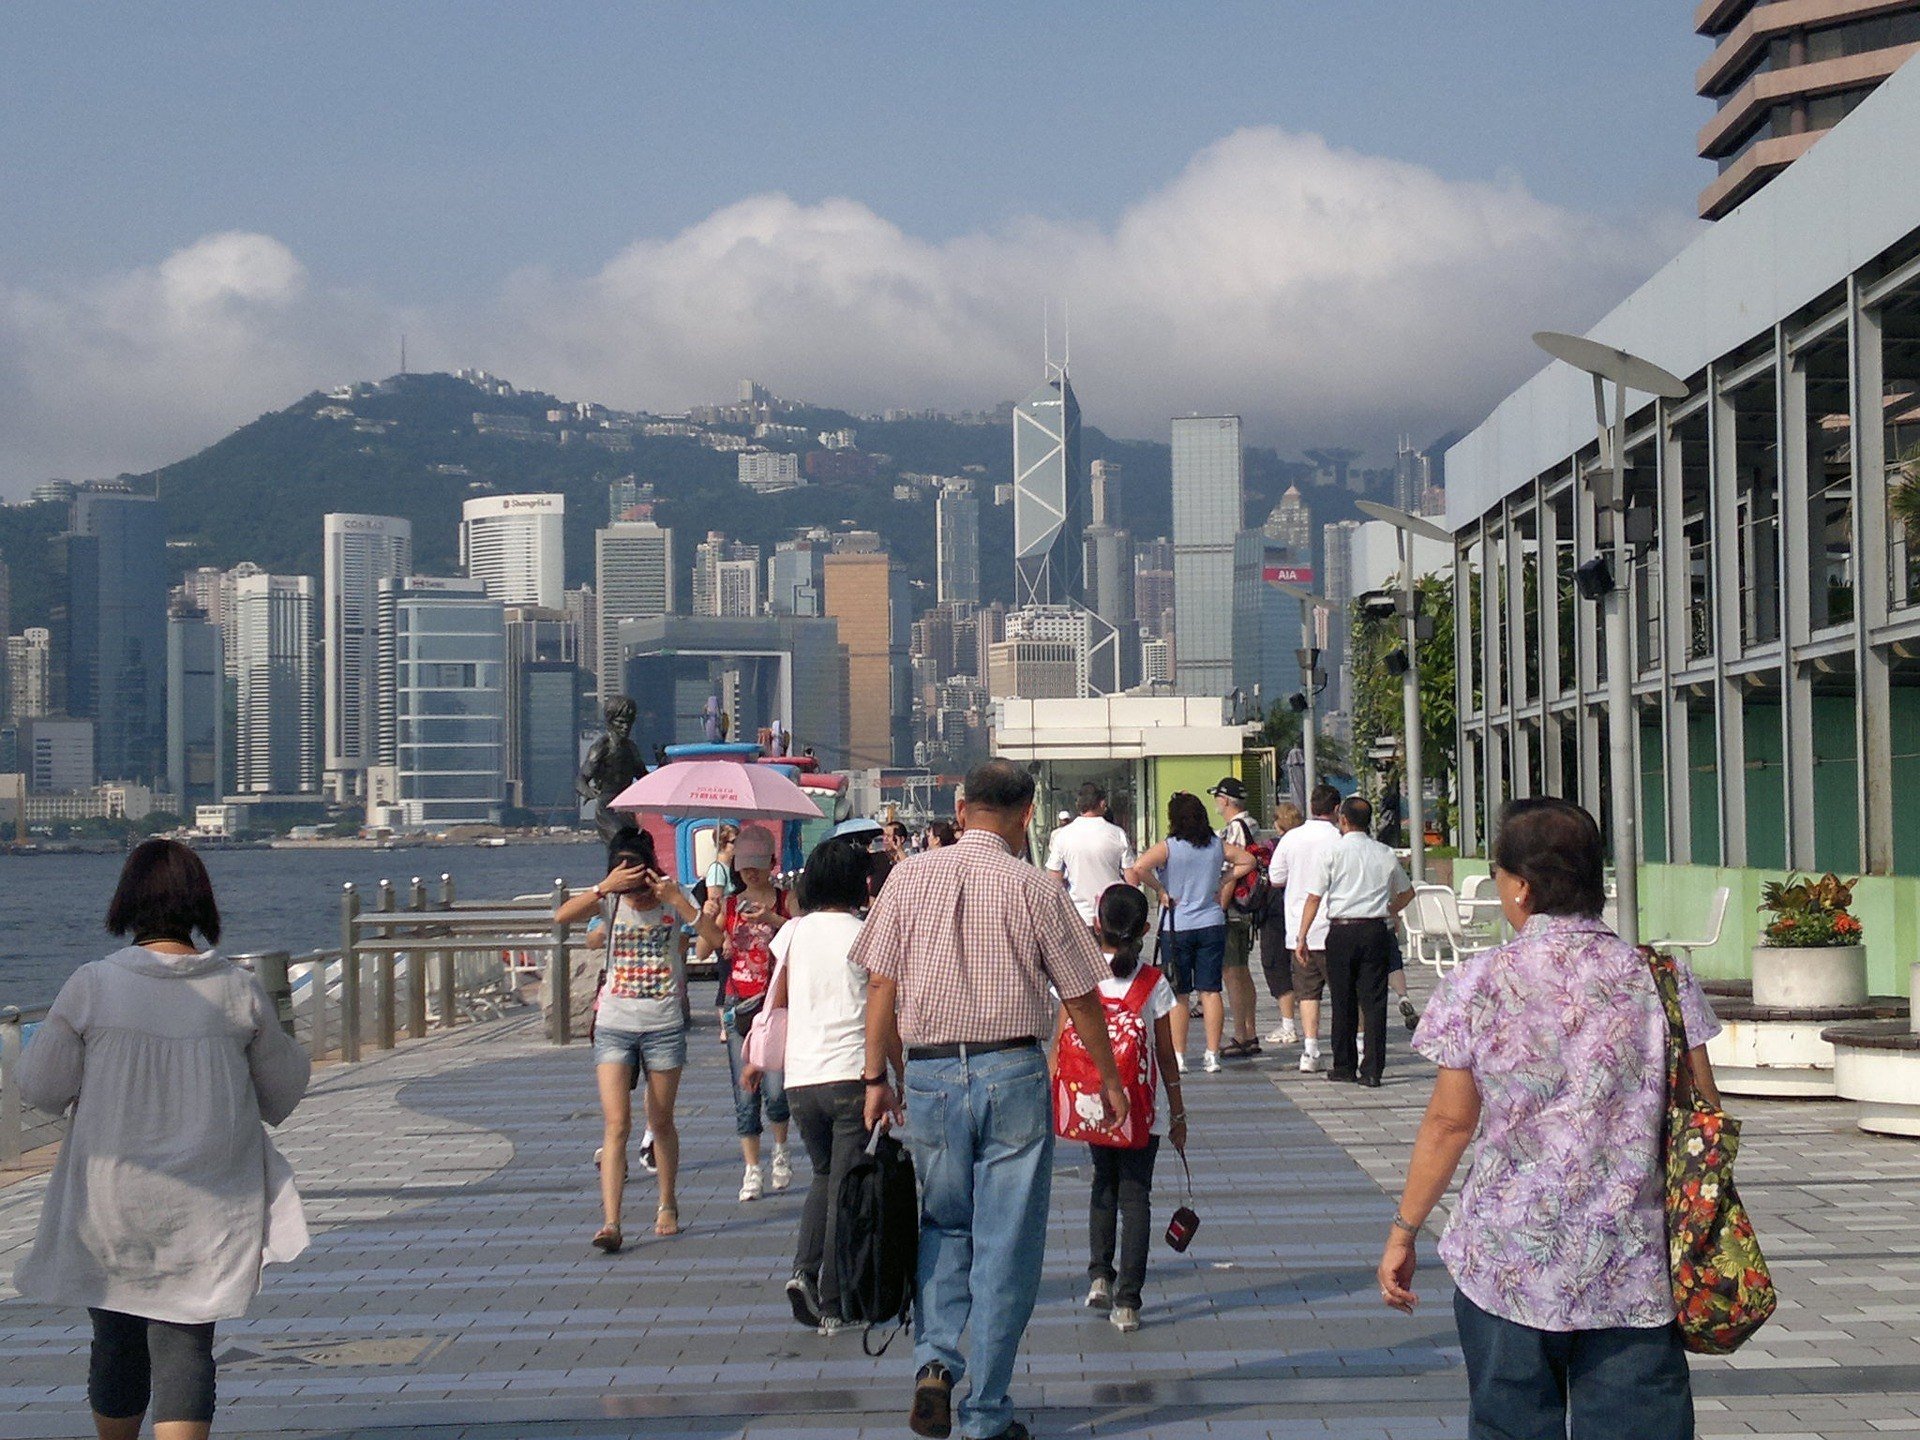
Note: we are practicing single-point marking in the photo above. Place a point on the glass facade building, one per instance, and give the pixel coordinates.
(442, 692)
(1207, 482)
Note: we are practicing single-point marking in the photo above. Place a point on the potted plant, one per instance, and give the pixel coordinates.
(1810, 956)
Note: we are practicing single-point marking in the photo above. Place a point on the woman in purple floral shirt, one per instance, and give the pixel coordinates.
(1553, 1049)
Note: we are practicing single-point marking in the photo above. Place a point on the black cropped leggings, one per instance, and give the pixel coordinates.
(137, 1362)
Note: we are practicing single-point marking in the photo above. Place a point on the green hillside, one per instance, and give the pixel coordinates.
(411, 448)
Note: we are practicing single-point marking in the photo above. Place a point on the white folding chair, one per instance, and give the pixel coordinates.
(1476, 887)
(1438, 912)
(1716, 919)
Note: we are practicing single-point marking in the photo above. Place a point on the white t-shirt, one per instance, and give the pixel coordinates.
(1160, 1002)
(1300, 855)
(1093, 853)
(1358, 879)
(826, 999)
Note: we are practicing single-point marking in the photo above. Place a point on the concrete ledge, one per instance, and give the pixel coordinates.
(1776, 1057)
(1877, 1064)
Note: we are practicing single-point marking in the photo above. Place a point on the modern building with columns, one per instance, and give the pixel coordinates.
(1773, 600)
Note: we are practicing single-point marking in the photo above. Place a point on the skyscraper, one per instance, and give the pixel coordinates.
(29, 674)
(1153, 586)
(1336, 549)
(796, 577)
(128, 680)
(1049, 508)
(1207, 486)
(1104, 476)
(515, 546)
(442, 704)
(1289, 528)
(633, 577)
(277, 737)
(726, 577)
(956, 521)
(1409, 477)
(199, 760)
(1110, 584)
(866, 594)
(358, 552)
(542, 680)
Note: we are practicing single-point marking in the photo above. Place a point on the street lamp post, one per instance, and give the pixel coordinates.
(1409, 527)
(1309, 602)
(1627, 372)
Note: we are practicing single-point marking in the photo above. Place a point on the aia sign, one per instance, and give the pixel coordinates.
(1301, 575)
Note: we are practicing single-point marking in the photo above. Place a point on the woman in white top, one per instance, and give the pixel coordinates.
(825, 997)
(640, 1023)
(167, 1197)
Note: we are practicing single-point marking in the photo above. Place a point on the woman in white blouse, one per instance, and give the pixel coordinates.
(167, 1197)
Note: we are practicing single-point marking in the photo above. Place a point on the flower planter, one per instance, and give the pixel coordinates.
(1814, 977)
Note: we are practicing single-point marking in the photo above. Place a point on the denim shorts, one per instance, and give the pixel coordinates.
(1194, 959)
(646, 1052)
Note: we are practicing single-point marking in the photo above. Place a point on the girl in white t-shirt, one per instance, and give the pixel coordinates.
(1123, 1179)
(825, 997)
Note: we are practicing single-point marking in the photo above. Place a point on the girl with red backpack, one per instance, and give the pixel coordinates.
(1139, 1004)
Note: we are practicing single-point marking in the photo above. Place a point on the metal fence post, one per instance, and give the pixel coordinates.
(271, 967)
(417, 971)
(317, 988)
(349, 977)
(383, 980)
(448, 965)
(560, 973)
(12, 1038)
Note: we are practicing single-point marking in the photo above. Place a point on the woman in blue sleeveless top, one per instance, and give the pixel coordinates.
(1195, 872)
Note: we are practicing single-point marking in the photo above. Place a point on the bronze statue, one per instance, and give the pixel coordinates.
(613, 763)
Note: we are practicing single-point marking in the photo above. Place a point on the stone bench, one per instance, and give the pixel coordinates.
(1764, 1051)
(1877, 1065)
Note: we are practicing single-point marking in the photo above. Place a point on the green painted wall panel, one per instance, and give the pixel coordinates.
(1766, 786)
(1703, 786)
(1836, 781)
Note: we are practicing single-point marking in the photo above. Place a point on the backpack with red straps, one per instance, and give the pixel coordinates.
(1078, 1110)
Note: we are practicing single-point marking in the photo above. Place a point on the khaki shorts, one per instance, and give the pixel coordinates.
(1311, 978)
(1239, 945)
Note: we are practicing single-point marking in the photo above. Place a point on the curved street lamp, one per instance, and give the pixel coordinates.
(1627, 372)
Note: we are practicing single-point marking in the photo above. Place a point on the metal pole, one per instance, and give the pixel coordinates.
(271, 967)
(1415, 780)
(417, 971)
(383, 981)
(560, 973)
(1309, 741)
(1620, 717)
(349, 977)
(11, 1040)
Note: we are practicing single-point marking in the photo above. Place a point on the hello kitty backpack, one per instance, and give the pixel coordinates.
(1077, 1107)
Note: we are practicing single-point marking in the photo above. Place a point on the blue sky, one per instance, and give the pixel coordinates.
(454, 169)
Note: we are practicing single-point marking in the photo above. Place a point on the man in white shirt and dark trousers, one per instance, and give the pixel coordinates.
(1301, 856)
(1361, 887)
(1090, 853)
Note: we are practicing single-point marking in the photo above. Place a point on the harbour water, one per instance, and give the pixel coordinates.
(52, 907)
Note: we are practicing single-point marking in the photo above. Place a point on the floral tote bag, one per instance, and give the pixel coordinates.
(1722, 1291)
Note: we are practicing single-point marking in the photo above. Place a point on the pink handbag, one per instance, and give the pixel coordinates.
(766, 1045)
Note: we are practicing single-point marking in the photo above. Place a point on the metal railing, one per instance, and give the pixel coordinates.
(399, 972)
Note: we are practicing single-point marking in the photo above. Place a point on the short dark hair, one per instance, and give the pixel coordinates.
(1187, 818)
(1122, 915)
(164, 894)
(943, 831)
(1555, 847)
(632, 843)
(1323, 800)
(834, 877)
(1092, 797)
(999, 785)
(1357, 811)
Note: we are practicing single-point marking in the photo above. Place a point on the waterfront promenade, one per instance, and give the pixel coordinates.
(450, 1291)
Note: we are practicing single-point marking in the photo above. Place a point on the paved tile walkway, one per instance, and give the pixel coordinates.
(450, 1291)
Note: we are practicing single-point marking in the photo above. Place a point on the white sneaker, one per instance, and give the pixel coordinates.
(1180, 1063)
(1211, 1062)
(1125, 1319)
(1100, 1295)
(750, 1187)
(1287, 1034)
(1310, 1062)
(782, 1168)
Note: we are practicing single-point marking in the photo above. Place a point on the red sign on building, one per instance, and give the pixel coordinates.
(1301, 575)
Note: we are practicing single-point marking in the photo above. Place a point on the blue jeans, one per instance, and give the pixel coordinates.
(748, 1104)
(1615, 1384)
(982, 1140)
(1195, 959)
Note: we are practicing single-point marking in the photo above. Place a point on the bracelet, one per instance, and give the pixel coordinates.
(873, 1080)
(1178, 1117)
(1400, 1223)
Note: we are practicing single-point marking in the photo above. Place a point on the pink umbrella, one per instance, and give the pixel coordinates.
(718, 787)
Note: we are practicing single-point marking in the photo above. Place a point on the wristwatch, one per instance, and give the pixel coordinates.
(1401, 1223)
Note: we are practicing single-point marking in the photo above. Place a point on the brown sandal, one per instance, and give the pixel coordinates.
(608, 1238)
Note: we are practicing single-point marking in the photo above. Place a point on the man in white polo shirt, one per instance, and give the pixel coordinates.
(1360, 887)
(1090, 853)
(1301, 853)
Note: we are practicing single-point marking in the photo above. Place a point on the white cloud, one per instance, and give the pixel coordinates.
(1326, 295)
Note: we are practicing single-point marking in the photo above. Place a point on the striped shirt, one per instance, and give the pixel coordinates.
(973, 937)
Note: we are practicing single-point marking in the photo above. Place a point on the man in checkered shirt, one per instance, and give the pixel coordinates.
(960, 950)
